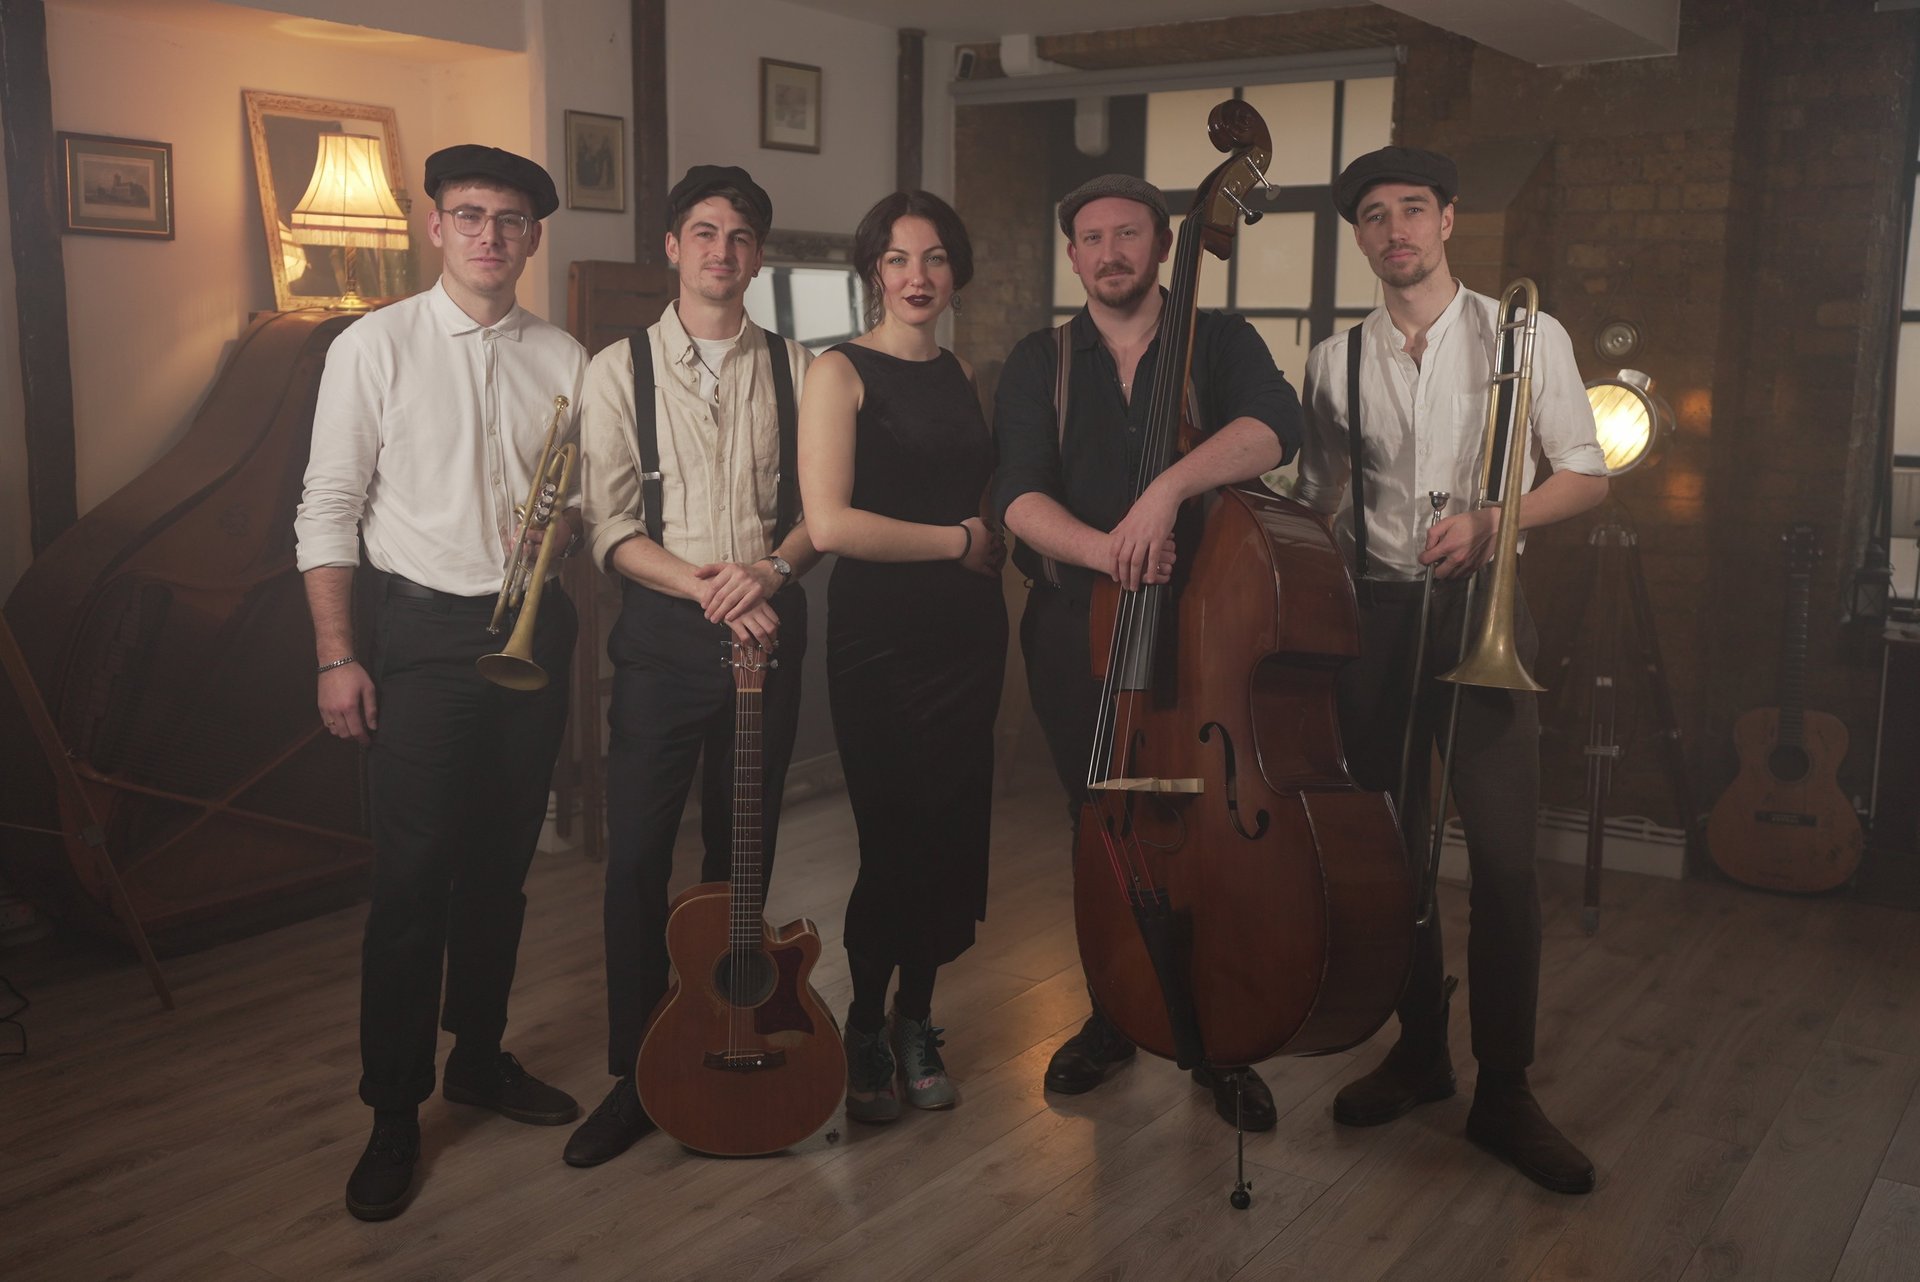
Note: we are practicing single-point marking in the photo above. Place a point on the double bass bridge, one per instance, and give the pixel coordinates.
(1150, 784)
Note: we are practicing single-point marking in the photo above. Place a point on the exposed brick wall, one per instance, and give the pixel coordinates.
(1740, 203)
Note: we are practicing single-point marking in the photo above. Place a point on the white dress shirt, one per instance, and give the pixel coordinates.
(719, 448)
(1423, 426)
(425, 435)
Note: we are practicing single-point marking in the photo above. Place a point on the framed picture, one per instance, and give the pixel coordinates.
(596, 161)
(789, 106)
(118, 186)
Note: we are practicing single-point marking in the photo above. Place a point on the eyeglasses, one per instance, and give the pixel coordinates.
(472, 222)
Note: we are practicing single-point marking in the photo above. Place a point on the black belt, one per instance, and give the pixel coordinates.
(1401, 591)
(400, 585)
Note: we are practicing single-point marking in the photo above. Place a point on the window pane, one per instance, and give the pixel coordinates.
(1213, 272)
(1906, 394)
(1354, 284)
(1300, 118)
(1287, 338)
(1366, 121)
(1276, 262)
(1178, 153)
(1912, 295)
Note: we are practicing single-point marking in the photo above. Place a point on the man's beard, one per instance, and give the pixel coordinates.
(1408, 275)
(1135, 289)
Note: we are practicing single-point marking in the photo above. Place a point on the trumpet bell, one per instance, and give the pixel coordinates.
(512, 671)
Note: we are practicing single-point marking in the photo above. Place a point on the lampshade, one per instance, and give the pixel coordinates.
(349, 202)
(1632, 422)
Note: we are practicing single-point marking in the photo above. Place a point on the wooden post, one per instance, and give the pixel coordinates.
(650, 179)
(36, 195)
(909, 114)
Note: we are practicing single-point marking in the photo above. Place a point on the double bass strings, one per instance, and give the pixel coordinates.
(1130, 649)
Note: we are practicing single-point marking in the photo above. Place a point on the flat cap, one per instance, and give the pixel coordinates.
(1126, 186)
(703, 180)
(1393, 165)
(471, 160)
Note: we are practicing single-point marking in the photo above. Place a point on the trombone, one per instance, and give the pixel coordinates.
(1492, 660)
(526, 572)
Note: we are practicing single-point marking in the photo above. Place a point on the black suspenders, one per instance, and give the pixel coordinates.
(647, 434)
(1356, 452)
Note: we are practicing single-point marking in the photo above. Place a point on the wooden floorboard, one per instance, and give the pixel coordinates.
(1743, 1067)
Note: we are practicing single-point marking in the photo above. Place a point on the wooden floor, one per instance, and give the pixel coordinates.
(1741, 1067)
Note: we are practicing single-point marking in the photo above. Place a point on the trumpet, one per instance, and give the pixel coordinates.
(526, 572)
(1492, 659)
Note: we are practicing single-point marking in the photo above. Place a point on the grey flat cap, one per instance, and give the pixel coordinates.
(1126, 186)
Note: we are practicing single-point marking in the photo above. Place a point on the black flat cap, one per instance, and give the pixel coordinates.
(703, 180)
(471, 160)
(1393, 165)
(1125, 186)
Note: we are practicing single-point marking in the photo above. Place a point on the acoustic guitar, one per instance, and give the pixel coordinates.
(1783, 823)
(741, 1057)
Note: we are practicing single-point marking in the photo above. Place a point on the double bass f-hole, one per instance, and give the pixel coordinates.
(1260, 819)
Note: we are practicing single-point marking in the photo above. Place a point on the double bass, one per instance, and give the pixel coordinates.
(1236, 896)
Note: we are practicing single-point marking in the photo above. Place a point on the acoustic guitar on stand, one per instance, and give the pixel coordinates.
(1783, 823)
(742, 1057)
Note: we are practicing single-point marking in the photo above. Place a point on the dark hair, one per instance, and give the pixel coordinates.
(758, 225)
(874, 235)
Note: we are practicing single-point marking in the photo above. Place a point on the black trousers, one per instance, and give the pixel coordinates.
(1054, 639)
(458, 780)
(672, 707)
(1496, 790)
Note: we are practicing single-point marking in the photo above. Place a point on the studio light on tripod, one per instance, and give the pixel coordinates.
(1633, 422)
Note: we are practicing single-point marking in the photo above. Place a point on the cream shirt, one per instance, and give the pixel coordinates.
(425, 435)
(719, 454)
(1423, 426)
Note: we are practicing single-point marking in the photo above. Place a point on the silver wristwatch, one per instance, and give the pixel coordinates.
(781, 566)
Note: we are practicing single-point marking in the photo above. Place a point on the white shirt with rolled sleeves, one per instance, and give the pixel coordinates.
(425, 435)
(1423, 426)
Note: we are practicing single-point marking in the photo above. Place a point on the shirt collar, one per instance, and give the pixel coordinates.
(457, 322)
(1380, 328)
(677, 345)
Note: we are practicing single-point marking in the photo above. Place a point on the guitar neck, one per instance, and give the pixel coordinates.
(1792, 696)
(747, 882)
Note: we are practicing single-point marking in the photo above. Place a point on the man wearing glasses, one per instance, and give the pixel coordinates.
(430, 418)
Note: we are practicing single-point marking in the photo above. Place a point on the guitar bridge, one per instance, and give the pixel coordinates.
(744, 1061)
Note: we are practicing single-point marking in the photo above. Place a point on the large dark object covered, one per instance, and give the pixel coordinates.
(167, 635)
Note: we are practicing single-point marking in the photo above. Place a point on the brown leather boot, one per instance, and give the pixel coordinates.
(1507, 1122)
(1418, 1070)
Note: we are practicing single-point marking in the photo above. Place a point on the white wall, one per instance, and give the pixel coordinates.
(713, 104)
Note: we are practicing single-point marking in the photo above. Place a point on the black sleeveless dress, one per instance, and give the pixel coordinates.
(916, 652)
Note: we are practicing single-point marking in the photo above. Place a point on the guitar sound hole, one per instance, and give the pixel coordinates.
(1788, 764)
(754, 982)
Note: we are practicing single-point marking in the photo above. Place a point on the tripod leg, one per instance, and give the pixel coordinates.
(1649, 642)
(1602, 749)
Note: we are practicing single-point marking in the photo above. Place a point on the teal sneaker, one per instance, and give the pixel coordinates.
(871, 1096)
(916, 1045)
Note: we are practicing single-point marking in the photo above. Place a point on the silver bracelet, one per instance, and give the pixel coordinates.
(337, 663)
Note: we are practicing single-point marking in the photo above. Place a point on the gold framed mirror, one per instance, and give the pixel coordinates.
(286, 133)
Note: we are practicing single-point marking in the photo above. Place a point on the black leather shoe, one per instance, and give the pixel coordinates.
(378, 1187)
(1257, 1112)
(1082, 1061)
(499, 1083)
(1506, 1121)
(611, 1129)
